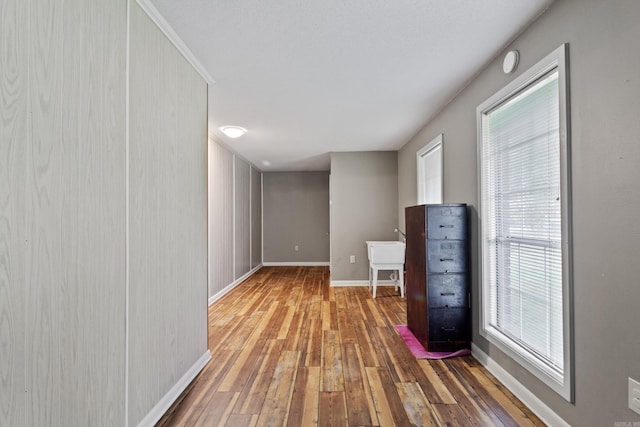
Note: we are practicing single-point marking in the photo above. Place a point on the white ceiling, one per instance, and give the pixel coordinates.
(307, 78)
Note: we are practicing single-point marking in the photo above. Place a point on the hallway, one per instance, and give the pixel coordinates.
(287, 349)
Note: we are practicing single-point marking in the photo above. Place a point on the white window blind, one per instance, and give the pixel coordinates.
(522, 223)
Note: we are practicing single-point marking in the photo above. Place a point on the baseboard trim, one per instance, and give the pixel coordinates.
(343, 283)
(167, 400)
(536, 405)
(232, 285)
(296, 264)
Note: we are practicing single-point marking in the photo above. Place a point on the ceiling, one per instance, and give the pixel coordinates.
(308, 78)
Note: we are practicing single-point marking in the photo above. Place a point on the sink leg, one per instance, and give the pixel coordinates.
(375, 282)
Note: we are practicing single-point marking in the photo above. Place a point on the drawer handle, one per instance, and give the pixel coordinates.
(446, 226)
(446, 294)
(446, 259)
(448, 329)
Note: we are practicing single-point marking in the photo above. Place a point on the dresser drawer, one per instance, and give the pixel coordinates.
(446, 256)
(446, 222)
(447, 290)
(448, 324)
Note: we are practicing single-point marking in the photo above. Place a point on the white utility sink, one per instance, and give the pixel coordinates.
(385, 252)
(386, 255)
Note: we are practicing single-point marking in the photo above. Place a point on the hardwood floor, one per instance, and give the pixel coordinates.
(290, 350)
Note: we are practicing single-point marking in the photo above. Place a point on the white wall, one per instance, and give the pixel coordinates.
(605, 140)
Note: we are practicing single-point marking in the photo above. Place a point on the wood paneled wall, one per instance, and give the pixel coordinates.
(168, 216)
(235, 219)
(256, 217)
(14, 97)
(242, 229)
(62, 212)
(221, 271)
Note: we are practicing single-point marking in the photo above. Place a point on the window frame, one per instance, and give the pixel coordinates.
(436, 143)
(563, 385)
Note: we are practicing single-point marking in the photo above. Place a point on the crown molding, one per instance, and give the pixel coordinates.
(168, 31)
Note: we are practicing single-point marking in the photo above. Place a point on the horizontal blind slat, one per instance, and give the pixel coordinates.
(521, 198)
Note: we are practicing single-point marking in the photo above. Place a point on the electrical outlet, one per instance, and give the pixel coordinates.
(634, 395)
(296, 248)
(352, 259)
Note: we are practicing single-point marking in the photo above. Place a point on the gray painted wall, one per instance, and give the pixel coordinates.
(168, 216)
(296, 213)
(364, 201)
(605, 106)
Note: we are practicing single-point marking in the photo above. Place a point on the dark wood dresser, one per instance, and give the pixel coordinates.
(437, 281)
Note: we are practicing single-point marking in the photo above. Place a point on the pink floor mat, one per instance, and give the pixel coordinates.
(419, 352)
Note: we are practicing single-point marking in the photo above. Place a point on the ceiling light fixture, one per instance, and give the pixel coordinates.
(233, 131)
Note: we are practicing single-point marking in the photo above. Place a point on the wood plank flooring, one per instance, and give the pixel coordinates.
(290, 350)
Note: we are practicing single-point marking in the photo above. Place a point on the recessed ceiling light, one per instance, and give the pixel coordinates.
(266, 163)
(233, 131)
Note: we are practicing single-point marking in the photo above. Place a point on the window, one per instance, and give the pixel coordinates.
(524, 222)
(430, 172)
